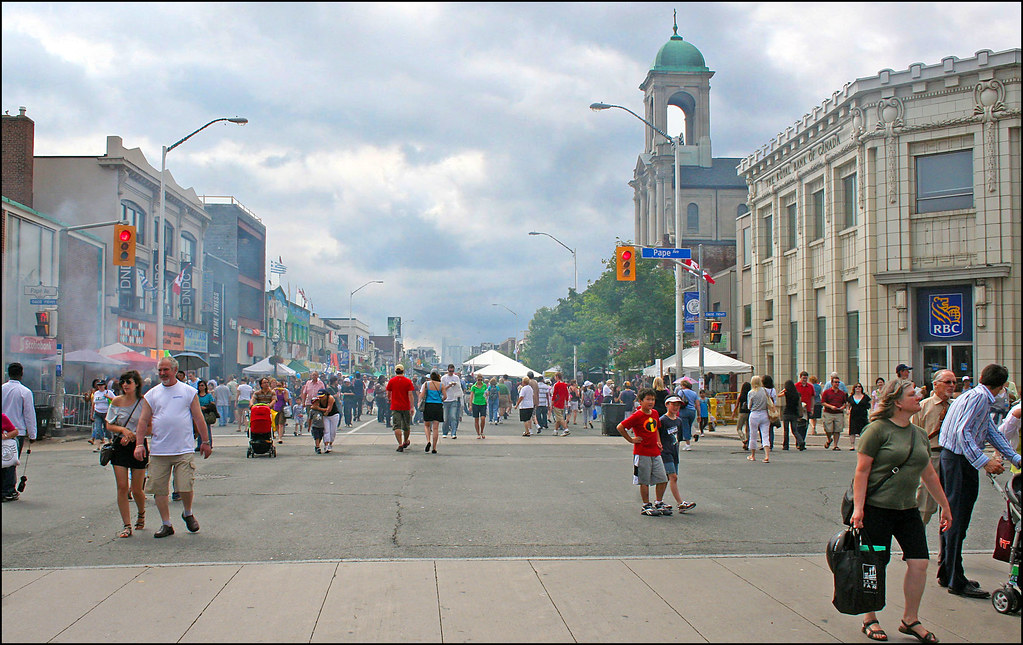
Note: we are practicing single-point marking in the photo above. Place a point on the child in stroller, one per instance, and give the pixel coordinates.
(261, 432)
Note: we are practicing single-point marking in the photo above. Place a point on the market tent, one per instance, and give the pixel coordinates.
(265, 368)
(115, 348)
(298, 366)
(505, 366)
(486, 358)
(714, 362)
(89, 357)
(552, 371)
(135, 359)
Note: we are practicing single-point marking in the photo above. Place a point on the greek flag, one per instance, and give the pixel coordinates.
(277, 266)
(143, 281)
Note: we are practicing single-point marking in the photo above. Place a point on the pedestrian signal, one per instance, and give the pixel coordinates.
(625, 261)
(715, 332)
(124, 245)
(43, 323)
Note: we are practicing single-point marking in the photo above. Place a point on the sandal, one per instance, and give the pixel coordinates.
(140, 521)
(750, 458)
(874, 634)
(928, 637)
(126, 531)
(767, 460)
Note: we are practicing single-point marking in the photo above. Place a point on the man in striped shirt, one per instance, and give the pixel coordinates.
(964, 432)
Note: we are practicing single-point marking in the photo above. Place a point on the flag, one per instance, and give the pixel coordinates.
(694, 268)
(176, 287)
(143, 281)
(277, 266)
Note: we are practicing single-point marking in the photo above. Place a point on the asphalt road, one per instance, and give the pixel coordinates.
(506, 496)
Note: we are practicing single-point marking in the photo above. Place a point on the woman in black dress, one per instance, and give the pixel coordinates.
(122, 420)
(859, 410)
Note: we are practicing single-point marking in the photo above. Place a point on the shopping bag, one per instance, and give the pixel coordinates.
(859, 575)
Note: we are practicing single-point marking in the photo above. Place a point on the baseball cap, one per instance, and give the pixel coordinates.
(902, 366)
(673, 399)
(322, 391)
(399, 368)
(966, 378)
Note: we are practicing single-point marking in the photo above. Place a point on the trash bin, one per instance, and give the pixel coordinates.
(614, 413)
(44, 413)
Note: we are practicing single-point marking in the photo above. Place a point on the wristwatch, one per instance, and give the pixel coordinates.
(205, 443)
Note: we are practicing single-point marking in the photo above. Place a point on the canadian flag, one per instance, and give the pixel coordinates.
(176, 287)
(695, 269)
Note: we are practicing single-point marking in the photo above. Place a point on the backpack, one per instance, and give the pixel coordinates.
(588, 398)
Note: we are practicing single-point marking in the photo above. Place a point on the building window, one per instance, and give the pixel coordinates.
(137, 218)
(822, 348)
(188, 248)
(852, 321)
(747, 317)
(692, 217)
(793, 349)
(944, 181)
(849, 199)
(747, 246)
(768, 236)
(768, 310)
(741, 210)
(790, 225)
(168, 294)
(817, 208)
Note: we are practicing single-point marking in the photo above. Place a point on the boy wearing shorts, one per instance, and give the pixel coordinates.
(669, 428)
(647, 465)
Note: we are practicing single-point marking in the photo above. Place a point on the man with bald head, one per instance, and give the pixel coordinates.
(931, 414)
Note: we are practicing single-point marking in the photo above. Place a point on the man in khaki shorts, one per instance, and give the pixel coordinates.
(169, 411)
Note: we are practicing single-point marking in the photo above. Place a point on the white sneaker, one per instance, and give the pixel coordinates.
(687, 447)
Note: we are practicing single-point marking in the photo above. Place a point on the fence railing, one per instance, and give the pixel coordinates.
(77, 413)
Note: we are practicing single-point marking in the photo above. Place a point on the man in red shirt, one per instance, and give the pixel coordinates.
(835, 402)
(399, 394)
(559, 400)
(805, 390)
(647, 465)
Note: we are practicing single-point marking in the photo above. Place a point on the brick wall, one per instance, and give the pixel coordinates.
(18, 150)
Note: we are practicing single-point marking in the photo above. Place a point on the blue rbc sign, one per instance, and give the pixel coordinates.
(945, 314)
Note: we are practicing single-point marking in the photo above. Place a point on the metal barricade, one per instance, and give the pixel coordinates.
(728, 407)
(77, 410)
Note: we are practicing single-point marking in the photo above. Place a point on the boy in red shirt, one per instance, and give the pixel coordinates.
(559, 400)
(647, 465)
(399, 393)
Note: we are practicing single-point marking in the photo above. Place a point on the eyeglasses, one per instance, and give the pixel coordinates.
(946, 382)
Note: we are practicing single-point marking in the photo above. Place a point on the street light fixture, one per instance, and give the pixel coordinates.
(676, 144)
(515, 347)
(158, 258)
(276, 339)
(351, 320)
(575, 287)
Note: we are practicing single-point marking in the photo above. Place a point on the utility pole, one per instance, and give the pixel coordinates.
(699, 290)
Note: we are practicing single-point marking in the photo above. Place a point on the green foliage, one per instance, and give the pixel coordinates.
(630, 322)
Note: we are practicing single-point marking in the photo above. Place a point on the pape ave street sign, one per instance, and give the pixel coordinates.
(668, 253)
(41, 291)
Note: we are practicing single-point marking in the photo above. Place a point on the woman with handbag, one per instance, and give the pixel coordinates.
(122, 419)
(208, 405)
(893, 459)
(759, 402)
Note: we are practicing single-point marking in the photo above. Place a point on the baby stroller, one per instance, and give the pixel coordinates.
(1006, 598)
(261, 441)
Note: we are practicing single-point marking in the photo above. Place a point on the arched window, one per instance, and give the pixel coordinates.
(680, 120)
(692, 217)
(741, 210)
(135, 216)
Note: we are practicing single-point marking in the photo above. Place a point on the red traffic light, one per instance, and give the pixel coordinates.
(125, 235)
(626, 255)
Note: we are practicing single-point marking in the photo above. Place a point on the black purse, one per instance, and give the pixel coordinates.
(106, 453)
(847, 499)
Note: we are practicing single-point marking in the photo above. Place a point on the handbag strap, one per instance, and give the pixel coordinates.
(875, 487)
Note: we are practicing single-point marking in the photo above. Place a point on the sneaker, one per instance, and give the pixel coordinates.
(665, 509)
(648, 509)
(566, 433)
(317, 450)
(539, 430)
(557, 434)
(401, 448)
(164, 531)
(175, 497)
(191, 522)
(696, 437)
(13, 497)
(687, 447)
(428, 444)
(686, 506)
(454, 436)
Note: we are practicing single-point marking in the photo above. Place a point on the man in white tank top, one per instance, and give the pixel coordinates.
(169, 412)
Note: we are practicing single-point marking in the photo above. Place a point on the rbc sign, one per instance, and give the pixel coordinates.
(945, 314)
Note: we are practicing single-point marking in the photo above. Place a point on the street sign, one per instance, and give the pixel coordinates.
(42, 301)
(667, 253)
(715, 314)
(41, 291)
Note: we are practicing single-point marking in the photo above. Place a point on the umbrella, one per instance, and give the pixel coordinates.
(135, 358)
(190, 361)
(88, 357)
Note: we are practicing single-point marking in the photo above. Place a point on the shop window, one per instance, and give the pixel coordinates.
(134, 215)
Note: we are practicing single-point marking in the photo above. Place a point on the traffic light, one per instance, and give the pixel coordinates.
(715, 332)
(43, 323)
(124, 245)
(625, 262)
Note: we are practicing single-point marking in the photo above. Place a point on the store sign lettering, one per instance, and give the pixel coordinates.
(946, 315)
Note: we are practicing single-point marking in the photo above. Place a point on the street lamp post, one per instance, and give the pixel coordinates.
(276, 339)
(575, 287)
(515, 347)
(158, 240)
(676, 144)
(351, 322)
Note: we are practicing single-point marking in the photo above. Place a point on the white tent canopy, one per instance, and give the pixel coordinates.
(486, 358)
(265, 368)
(714, 362)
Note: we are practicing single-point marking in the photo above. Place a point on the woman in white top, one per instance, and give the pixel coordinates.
(122, 420)
(101, 397)
(758, 402)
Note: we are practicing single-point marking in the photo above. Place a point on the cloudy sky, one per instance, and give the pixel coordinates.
(418, 144)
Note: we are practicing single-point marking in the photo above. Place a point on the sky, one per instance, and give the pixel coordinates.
(419, 143)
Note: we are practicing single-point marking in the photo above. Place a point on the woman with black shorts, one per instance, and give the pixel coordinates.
(431, 401)
(891, 510)
(859, 411)
(122, 420)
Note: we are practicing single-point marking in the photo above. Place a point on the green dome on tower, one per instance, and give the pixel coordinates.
(679, 56)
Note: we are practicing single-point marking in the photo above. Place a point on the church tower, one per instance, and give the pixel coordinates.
(676, 99)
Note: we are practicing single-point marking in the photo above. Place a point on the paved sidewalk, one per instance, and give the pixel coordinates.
(681, 599)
